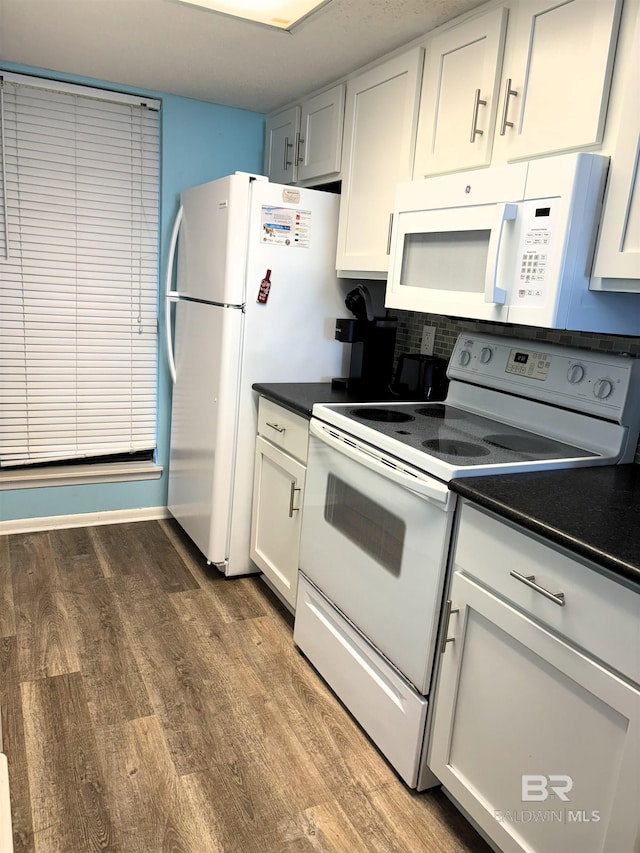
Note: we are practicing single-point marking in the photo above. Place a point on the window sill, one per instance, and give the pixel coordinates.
(78, 475)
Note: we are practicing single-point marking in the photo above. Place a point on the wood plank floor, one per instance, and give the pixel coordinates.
(149, 704)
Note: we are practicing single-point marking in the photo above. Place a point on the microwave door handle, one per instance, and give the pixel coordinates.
(493, 293)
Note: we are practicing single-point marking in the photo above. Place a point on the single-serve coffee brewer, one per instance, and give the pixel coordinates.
(372, 340)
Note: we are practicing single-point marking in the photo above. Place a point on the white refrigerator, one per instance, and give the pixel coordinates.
(228, 233)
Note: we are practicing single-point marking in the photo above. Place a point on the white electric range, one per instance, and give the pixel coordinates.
(378, 513)
(511, 406)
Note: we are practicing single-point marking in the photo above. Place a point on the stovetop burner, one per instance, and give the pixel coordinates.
(439, 412)
(381, 415)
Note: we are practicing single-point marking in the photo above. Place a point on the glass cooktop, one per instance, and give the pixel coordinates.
(453, 435)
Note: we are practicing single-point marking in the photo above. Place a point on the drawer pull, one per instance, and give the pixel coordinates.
(292, 495)
(447, 616)
(530, 581)
(276, 427)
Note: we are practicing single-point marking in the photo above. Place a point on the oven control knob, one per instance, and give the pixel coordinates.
(465, 357)
(603, 388)
(575, 374)
(486, 354)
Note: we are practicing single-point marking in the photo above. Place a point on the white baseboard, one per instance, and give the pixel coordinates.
(83, 519)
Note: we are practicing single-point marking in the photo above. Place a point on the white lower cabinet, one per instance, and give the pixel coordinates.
(278, 491)
(535, 737)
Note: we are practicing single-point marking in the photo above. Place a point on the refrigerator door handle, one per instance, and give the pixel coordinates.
(171, 293)
(169, 341)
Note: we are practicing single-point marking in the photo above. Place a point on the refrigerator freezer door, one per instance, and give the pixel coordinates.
(204, 423)
(213, 240)
(291, 337)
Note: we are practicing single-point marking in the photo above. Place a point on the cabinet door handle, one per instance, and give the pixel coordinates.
(477, 100)
(276, 427)
(389, 234)
(447, 616)
(287, 146)
(299, 142)
(530, 581)
(508, 93)
(292, 495)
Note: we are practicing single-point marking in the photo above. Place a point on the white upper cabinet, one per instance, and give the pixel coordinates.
(379, 138)
(557, 72)
(304, 143)
(508, 85)
(320, 146)
(618, 254)
(282, 131)
(459, 101)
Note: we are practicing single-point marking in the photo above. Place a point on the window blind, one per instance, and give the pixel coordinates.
(78, 272)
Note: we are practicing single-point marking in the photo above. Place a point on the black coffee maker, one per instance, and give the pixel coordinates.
(373, 341)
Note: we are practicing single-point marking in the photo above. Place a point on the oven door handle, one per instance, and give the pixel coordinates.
(431, 489)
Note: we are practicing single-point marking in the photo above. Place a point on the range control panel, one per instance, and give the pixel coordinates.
(596, 383)
(535, 365)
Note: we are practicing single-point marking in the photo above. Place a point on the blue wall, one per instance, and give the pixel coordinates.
(200, 142)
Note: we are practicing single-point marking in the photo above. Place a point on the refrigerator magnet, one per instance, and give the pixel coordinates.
(265, 287)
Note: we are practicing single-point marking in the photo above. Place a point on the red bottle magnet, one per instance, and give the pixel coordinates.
(265, 287)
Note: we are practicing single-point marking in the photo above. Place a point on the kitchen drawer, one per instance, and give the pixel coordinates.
(283, 428)
(599, 615)
(386, 706)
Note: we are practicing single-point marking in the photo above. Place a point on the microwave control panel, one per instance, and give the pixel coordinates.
(534, 250)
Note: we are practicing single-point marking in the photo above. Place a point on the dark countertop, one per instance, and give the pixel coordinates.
(594, 512)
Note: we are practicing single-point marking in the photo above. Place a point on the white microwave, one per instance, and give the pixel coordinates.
(512, 244)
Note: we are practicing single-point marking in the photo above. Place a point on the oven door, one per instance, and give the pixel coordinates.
(375, 539)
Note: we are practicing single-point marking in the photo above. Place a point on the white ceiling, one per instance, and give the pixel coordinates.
(185, 50)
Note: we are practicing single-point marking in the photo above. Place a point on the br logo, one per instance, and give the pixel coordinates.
(537, 788)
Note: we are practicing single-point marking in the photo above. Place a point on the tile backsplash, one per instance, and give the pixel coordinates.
(410, 325)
